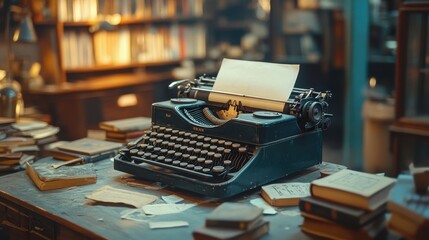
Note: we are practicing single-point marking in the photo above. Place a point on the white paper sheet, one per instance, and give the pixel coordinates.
(255, 81)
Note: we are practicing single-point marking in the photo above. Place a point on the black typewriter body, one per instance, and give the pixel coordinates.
(185, 150)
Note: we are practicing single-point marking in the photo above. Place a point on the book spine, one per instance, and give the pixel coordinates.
(329, 213)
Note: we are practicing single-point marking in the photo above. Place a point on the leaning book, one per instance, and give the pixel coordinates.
(46, 177)
(353, 188)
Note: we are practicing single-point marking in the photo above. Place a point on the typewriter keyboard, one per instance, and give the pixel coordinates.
(188, 153)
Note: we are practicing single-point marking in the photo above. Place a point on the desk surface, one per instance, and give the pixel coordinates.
(70, 208)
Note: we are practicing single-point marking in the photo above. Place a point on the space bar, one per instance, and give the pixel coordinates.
(170, 167)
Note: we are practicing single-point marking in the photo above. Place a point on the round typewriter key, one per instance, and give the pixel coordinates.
(214, 141)
(181, 133)
(158, 141)
(155, 127)
(176, 162)
(210, 154)
(220, 149)
(183, 164)
(173, 138)
(187, 134)
(228, 144)
(153, 156)
(124, 150)
(131, 144)
(190, 149)
(167, 136)
(160, 158)
(153, 134)
(147, 155)
(146, 139)
(218, 169)
(163, 151)
(192, 142)
(193, 136)
(206, 145)
(170, 145)
(201, 160)
(178, 155)
(197, 151)
(175, 131)
(217, 156)
(208, 162)
(242, 150)
(213, 147)
(164, 143)
(140, 153)
(168, 130)
(134, 151)
(149, 148)
(192, 158)
(143, 145)
(168, 160)
(206, 170)
(221, 142)
(198, 168)
(179, 139)
(207, 139)
(160, 135)
(199, 144)
(227, 162)
(177, 146)
(186, 141)
(152, 140)
(204, 152)
(227, 151)
(157, 149)
(236, 145)
(183, 148)
(162, 129)
(186, 156)
(190, 166)
(200, 137)
(170, 152)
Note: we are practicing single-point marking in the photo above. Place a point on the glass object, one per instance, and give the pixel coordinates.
(11, 101)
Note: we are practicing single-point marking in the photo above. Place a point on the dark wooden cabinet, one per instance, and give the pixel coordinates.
(410, 131)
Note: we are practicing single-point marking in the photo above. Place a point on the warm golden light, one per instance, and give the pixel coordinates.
(372, 82)
(127, 100)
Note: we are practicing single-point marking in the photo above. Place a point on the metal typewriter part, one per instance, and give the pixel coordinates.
(192, 148)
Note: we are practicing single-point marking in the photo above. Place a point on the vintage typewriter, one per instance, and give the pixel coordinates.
(192, 148)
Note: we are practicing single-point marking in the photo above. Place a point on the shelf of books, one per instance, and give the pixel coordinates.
(81, 37)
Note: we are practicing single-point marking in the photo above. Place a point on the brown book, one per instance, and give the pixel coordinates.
(124, 135)
(353, 188)
(285, 194)
(89, 146)
(211, 233)
(127, 125)
(234, 215)
(46, 178)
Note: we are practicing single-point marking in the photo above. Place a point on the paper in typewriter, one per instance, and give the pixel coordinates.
(260, 85)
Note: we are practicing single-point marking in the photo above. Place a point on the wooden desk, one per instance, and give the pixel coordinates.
(28, 213)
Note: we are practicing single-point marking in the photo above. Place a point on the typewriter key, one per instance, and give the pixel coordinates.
(206, 170)
(176, 162)
(134, 151)
(183, 164)
(147, 155)
(218, 169)
(192, 158)
(160, 158)
(140, 153)
(168, 160)
(198, 168)
(190, 166)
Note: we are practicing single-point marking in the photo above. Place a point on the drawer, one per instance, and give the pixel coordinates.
(42, 226)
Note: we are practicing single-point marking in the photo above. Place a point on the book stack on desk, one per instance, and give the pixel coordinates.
(21, 142)
(346, 205)
(409, 210)
(233, 221)
(125, 130)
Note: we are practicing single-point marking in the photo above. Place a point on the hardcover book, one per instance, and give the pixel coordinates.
(410, 211)
(285, 194)
(211, 233)
(353, 188)
(329, 230)
(89, 146)
(46, 178)
(234, 215)
(341, 214)
(127, 125)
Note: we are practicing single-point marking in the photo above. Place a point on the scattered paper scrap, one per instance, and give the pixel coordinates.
(135, 215)
(172, 199)
(114, 195)
(167, 208)
(291, 213)
(259, 202)
(168, 224)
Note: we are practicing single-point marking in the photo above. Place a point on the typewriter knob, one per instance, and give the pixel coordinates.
(315, 112)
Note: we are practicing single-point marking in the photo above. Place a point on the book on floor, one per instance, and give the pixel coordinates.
(341, 214)
(234, 215)
(353, 188)
(215, 233)
(331, 230)
(409, 210)
(46, 178)
(285, 194)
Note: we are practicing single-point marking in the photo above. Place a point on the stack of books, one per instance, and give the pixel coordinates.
(409, 210)
(346, 205)
(22, 142)
(125, 130)
(233, 221)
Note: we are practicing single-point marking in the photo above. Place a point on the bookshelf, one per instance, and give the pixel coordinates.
(95, 38)
(101, 50)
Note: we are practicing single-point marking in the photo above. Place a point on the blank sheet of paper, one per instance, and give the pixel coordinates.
(255, 81)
